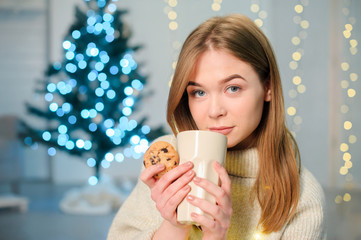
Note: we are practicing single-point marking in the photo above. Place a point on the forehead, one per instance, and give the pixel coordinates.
(219, 64)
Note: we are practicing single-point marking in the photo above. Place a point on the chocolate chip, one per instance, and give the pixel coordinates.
(164, 150)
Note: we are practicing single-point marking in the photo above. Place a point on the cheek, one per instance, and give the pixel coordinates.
(196, 112)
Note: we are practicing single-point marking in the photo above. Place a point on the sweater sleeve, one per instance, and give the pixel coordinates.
(308, 222)
(138, 217)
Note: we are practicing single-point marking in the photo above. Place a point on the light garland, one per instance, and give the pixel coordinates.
(216, 5)
(295, 63)
(170, 11)
(350, 93)
(261, 14)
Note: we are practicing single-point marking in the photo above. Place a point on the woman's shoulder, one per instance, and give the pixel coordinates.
(311, 189)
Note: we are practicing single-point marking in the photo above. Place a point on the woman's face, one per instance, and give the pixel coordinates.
(225, 95)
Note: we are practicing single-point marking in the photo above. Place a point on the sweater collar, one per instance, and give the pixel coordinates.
(243, 163)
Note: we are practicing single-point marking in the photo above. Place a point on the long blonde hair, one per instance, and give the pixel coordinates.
(277, 184)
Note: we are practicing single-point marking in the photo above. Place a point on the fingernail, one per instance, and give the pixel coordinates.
(196, 179)
(194, 215)
(190, 173)
(190, 198)
(160, 166)
(189, 164)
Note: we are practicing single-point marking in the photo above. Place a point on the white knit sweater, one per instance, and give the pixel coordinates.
(138, 217)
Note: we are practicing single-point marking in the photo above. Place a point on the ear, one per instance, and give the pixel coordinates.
(267, 92)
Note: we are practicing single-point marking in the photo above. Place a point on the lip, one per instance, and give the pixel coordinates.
(221, 130)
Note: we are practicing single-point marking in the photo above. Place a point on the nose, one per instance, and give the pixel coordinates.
(216, 108)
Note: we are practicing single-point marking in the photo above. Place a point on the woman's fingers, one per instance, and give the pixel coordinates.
(168, 209)
(204, 221)
(215, 211)
(169, 195)
(223, 175)
(222, 197)
(147, 176)
(216, 222)
(173, 175)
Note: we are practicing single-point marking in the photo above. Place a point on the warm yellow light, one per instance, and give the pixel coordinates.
(216, 7)
(338, 199)
(301, 88)
(351, 92)
(347, 34)
(347, 197)
(262, 14)
(296, 80)
(305, 24)
(346, 156)
(353, 51)
(254, 8)
(344, 84)
(296, 41)
(291, 111)
(353, 42)
(344, 147)
(173, 25)
(258, 22)
(293, 65)
(298, 8)
(174, 64)
(172, 15)
(170, 81)
(345, 66)
(352, 139)
(296, 56)
(257, 236)
(353, 77)
(348, 27)
(172, 3)
(347, 125)
(343, 170)
(348, 164)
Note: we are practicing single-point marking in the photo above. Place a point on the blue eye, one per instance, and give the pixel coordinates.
(198, 93)
(233, 89)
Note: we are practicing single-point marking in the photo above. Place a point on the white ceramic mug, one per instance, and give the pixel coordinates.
(203, 148)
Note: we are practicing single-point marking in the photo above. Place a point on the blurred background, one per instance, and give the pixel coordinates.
(47, 193)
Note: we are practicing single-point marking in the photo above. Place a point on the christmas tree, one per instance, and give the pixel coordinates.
(92, 94)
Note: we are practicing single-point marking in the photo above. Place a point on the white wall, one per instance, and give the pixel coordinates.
(149, 25)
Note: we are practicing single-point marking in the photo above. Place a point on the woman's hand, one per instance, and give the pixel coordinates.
(169, 191)
(216, 225)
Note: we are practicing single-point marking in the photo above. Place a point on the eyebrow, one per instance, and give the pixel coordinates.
(227, 79)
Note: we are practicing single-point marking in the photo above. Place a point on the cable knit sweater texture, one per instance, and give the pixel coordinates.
(138, 218)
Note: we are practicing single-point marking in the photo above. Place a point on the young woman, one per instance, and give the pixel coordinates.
(227, 81)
